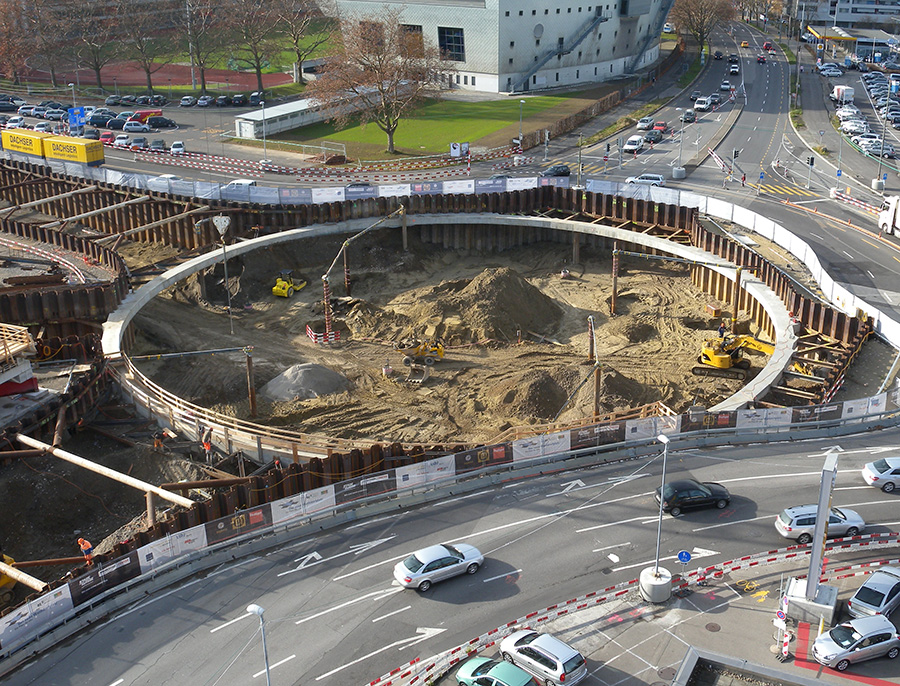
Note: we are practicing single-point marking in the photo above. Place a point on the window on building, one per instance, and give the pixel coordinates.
(569, 11)
(512, 44)
(557, 76)
(557, 10)
(465, 80)
(457, 78)
(579, 54)
(507, 14)
(533, 12)
(595, 71)
(510, 60)
(534, 80)
(597, 53)
(452, 44)
(577, 72)
(520, 13)
(546, 11)
(537, 43)
(473, 80)
(416, 43)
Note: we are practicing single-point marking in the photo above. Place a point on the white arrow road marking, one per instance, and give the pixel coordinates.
(613, 558)
(277, 664)
(703, 552)
(579, 485)
(826, 451)
(313, 558)
(422, 634)
(377, 595)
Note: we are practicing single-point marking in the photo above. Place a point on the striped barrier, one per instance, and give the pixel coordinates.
(517, 161)
(179, 161)
(850, 200)
(315, 337)
(32, 250)
(417, 671)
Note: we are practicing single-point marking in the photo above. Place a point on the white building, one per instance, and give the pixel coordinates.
(504, 46)
(847, 13)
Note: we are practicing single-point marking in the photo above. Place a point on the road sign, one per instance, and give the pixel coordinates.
(762, 175)
(839, 173)
(606, 158)
(684, 557)
(884, 177)
(821, 132)
(780, 615)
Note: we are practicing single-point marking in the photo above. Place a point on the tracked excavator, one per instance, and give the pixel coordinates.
(724, 357)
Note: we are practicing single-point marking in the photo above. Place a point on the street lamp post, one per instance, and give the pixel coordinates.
(72, 86)
(265, 149)
(521, 109)
(679, 171)
(258, 611)
(655, 581)
(662, 438)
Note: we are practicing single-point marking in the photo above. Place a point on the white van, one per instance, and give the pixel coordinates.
(702, 104)
(239, 183)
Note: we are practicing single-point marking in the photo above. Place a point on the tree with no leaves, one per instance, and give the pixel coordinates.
(379, 73)
(14, 47)
(95, 31)
(140, 37)
(305, 25)
(700, 17)
(253, 24)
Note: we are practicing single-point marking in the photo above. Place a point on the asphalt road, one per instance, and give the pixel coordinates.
(334, 616)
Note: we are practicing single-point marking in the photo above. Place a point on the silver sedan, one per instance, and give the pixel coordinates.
(436, 563)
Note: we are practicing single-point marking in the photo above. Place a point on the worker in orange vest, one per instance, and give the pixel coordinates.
(87, 550)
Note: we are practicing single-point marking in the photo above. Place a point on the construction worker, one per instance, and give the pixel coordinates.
(87, 550)
(722, 329)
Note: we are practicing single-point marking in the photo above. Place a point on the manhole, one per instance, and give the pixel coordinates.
(668, 673)
(713, 627)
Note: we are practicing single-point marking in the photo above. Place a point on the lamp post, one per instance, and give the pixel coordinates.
(679, 171)
(656, 581)
(222, 222)
(265, 150)
(521, 109)
(662, 438)
(258, 611)
(72, 86)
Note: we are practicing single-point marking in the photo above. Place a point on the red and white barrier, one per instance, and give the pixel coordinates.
(321, 337)
(850, 200)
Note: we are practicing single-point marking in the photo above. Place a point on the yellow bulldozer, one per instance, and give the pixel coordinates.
(417, 351)
(286, 284)
(724, 357)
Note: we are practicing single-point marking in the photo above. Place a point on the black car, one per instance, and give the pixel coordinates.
(142, 100)
(158, 100)
(239, 100)
(714, 98)
(223, 101)
(100, 119)
(718, 55)
(8, 106)
(161, 123)
(653, 136)
(734, 58)
(113, 100)
(127, 99)
(93, 134)
(557, 170)
(695, 95)
(3, 119)
(115, 124)
(690, 494)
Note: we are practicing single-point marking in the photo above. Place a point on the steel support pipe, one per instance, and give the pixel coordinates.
(22, 577)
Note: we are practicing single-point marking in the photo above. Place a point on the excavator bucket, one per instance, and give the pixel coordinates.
(418, 373)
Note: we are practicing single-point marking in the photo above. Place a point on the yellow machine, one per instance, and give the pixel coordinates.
(420, 352)
(6, 583)
(724, 357)
(286, 285)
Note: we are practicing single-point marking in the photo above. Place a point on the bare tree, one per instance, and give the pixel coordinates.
(143, 42)
(96, 28)
(254, 23)
(14, 48)
(203, 28)
(381, 71)
(307, 26)
(700, 17)
(47, 21)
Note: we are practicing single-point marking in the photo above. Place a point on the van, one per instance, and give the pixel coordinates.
(255, 98)
(239, 183)
(143, 115)
(702, 105)
(842, 95)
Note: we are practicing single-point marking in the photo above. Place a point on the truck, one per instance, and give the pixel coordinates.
(842, 95)
(888, 221)
(69, 149)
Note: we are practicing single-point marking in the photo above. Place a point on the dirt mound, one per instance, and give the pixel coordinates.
(304, 381)
(533, 394)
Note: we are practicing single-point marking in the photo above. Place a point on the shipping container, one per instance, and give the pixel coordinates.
(24, 141)
(84, 150)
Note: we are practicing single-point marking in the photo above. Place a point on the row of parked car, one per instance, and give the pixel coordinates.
(237, 100)
(855, 124)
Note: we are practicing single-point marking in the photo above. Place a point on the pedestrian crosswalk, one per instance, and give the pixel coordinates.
(785, 189)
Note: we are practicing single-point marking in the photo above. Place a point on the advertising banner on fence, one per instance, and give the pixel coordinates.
(854, 408)
(707, 420)
(364, 486)
(892, 399)
(318, 499)
(104, 577)
(241, 522)
(761, 418)
(26, 620)
(538, 446)
(481, 457)
(165, 549)
(877, 403)
(599, 434)
(816, 413)
(287, 508)
(422, 473)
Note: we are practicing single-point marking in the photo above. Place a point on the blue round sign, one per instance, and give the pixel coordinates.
(762, 175)
(684, 557)
(839, 173)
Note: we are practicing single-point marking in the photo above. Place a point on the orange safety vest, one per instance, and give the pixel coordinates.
(86, 547)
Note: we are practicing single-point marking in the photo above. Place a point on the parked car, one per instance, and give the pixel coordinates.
(122, 140)
(161, 123)
(886, 150)
(831, 73)
(126, 115)
(43, 126)
(879, 594)
(115, 124)
(158, 145)
(142, 100)
(645, 123)
(158, 100)
(546, 657)
(668, 27)
(634, 144)
(695, 95)
(139, 143)
(653, 136)
(56, 115)
(99, 119)
(883, 473)
(557, 170)
(688, 494)
(8, 106)
(112, 100)
(188, 101)
(734, 69)
(205, 101)
(482, 670)
(128, 99)
(647, 179)
(223, 101)
(436, 563)
(239, 100)
(3, 119)
(177, 148)
(859, 639)
(25, 110)
(854, 126)
(107, 137)
(256, 97)
(15, 100)
(136, 127)
(16, 122)
(38, 111)
(799, 522)
(92, 134)
(858, 138)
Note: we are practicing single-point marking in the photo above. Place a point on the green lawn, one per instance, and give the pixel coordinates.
(433, 128)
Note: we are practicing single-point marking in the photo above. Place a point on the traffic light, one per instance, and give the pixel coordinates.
(735, 153)
(607, 147)
(811, 160)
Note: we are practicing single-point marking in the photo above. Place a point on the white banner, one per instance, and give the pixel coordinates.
(26, 620)
(166, 549)
(318, 499)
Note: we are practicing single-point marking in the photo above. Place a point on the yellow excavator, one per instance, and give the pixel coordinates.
(286, 285)
(416, 351)
(6, 582)
(724, 357)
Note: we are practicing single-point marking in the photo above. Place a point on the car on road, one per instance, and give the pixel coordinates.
(715, 98)
(188, 101)
(546, 657)
(436, 563)
(718, 55)
(883, 473)
(653, 136)
(734, 69)
(879, 594)
(557, 170)
(647, 179)
(725, 85)
(733, 58)
(690, 494)
(645, 123)
(482, 671)
(760, 59)
(702, 105)
(745, 44)
(107, 137)
(661, 126)
(136, 127)
(123, 140)
(831, 73)
(695, 95)
(799, 522)
(859, 639)
(634, 144)
(669, 27)
(205, 101)
(688, 116)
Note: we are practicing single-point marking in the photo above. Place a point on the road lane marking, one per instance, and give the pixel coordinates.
(501, 576)
(617, 545)
(376, 595)
(603, 526)
(229, 623)
(391, 614)
(277, 664)
(739, 521)
(423, 634)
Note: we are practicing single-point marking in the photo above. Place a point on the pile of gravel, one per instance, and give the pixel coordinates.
(303, 382)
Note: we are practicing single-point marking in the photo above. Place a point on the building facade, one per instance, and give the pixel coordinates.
(848, 13)
(500, 46)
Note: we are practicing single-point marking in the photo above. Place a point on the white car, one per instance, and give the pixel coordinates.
(15, 122)
(177, 148)
(634, 144)
(136, 127)
(56, 115)
(831, 73)
(122, 139)
(725, 86)
(854, 126)
(734, 69)
(647, 179)
(846, 115)
(860, 137)
(702, 104)
(645, 124)
(883, 473)
(546, 657)
(43, 127)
